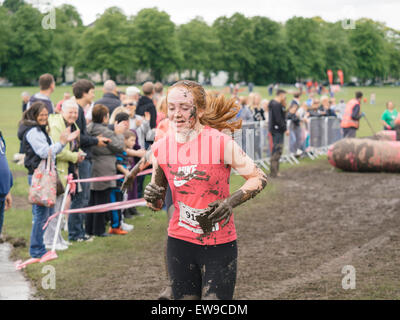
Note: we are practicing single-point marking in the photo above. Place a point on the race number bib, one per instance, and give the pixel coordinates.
(187, 218)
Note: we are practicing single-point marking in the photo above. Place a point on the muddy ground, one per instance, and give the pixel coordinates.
(295, 244)
(294, 240)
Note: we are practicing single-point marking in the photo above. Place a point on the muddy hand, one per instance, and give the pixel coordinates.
(153, 194)
(222, 210)
(129, 179)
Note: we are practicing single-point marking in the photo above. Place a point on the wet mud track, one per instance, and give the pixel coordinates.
(293, 239)
(294, 244)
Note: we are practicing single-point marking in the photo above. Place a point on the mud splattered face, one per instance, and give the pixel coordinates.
(182, 112)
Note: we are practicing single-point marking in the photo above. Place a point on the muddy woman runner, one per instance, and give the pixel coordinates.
(195, 160)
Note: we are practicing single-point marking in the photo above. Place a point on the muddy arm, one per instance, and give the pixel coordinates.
(155, 191)
(256, 181)
(140, 166)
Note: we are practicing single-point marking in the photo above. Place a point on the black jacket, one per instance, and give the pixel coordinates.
(277, 118)
(86, 140)
(356, 115)
(111, 101)
(145, 104)
(31, 160)
(294, 118)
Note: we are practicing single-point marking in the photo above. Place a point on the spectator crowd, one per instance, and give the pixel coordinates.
(86, 138)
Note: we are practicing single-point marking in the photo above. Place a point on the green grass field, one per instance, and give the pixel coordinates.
(149, 229)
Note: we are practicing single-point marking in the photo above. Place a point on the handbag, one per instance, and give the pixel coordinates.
(43, 189)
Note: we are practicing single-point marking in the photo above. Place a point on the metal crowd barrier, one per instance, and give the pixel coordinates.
(324, 131)
(254, 139)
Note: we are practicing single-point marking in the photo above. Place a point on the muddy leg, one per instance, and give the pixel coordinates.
(277, 140)
(276, 156)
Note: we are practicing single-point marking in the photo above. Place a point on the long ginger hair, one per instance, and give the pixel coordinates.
(219, 112)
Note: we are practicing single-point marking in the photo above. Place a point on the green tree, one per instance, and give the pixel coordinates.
(392, 53)
(13, 5)
(198, 43)
(31, 52)
(105, 45)
(368, 43)
(5, 35)
(153, 37)
(269, 51)
(338, 50)
(235, 36)
(304, 41)
(66, 35)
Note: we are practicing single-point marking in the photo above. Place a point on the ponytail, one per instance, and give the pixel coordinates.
(220, 112)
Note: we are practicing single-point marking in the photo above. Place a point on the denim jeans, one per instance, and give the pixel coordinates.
(295, 139)
(2, 203)
(80, 200)
(40, 215)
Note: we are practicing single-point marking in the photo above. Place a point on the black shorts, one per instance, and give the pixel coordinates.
(202, 271)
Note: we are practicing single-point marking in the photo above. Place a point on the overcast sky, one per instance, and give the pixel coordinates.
(182, 11)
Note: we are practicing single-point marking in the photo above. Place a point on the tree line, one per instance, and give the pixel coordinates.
(255, 49)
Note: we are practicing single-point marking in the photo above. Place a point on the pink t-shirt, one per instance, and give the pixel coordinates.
(197, 176)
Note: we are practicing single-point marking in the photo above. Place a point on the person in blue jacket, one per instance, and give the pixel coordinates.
(6, 182)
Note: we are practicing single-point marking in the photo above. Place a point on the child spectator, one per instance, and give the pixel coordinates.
(122, 167)
(372, 99)
(132, 190)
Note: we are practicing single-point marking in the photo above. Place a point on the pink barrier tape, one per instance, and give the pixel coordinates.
(108, 178)
(101, 208)
(99, 179)
(72, 185)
